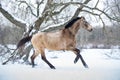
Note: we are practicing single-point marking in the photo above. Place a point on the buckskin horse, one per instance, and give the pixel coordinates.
(60, 40)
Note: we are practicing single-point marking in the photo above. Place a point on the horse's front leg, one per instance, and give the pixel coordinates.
(76, 51)
(78, 55)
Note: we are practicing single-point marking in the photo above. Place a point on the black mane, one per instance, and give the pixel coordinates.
(69, 24)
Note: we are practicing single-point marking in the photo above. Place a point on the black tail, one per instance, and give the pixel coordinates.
(23, 41)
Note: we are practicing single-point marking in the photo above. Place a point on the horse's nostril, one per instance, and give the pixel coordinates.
(90, 30)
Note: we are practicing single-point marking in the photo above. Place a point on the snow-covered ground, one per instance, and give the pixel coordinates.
(101, 67)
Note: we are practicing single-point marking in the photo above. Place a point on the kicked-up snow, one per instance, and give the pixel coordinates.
(101, 67)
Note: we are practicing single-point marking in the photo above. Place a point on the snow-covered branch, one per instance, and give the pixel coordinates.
(13, 19)
(77, 12)
(28, 6)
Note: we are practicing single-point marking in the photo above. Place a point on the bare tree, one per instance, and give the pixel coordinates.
(52, 12)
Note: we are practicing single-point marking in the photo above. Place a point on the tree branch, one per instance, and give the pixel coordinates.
(29, 7)
(57, 12)
(38, 6)
(45, 13)
(97, 3)
(102, 12)
(75, 15)
(11, 18)
(79, 9)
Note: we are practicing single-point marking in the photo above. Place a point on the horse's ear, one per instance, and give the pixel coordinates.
(82, 17)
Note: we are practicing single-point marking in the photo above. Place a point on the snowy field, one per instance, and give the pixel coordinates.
(101, 67)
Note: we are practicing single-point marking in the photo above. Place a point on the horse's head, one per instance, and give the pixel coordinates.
(84, 24)
(75, 24)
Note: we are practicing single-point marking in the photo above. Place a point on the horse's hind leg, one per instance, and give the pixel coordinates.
(44, 59)
(78, 55)
(35, 54)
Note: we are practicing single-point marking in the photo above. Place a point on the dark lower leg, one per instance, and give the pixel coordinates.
(84, 63)
(32, 59)
(50, 65)
(77, 57)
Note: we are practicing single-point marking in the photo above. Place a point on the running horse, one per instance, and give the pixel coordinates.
(60, 40)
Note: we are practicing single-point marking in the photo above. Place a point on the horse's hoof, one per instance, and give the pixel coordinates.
(33, 65)
(52, 67)
(3, 63)
(75, 61)
(86, 66)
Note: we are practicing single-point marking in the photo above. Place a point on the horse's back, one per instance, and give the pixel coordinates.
(36, 37)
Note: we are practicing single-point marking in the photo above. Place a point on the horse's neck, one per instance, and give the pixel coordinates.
(74, 28)
(67, 33)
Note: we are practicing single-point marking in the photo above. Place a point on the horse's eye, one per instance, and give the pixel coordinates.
(86, 24)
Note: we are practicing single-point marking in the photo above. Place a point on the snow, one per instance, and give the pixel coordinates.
(101, 67)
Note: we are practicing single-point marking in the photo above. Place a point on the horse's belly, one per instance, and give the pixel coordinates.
(56, 46)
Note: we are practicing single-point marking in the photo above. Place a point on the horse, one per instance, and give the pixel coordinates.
(63, 39)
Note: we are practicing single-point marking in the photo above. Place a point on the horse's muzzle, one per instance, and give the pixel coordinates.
(90, 30)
